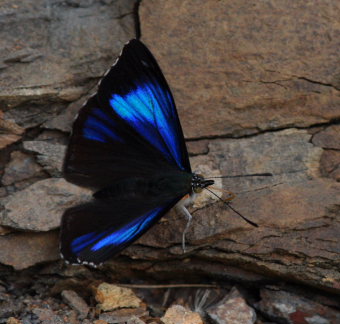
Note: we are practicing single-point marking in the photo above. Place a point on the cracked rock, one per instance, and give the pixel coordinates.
(50, 156)
(244, 70)
(328, 138)
(232, 309)
(285, 307)
(53, 197)
(21, 167)
(75, 47)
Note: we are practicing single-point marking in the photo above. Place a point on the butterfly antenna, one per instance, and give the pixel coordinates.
(267, 174)
(234, 210)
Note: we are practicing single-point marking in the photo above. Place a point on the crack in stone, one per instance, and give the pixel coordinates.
(318, 82)
(331, 122)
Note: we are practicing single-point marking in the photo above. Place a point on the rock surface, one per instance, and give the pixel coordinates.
(232, 309)
(76, 302)
(51, 48)
(111, 297)
(50, 155)
(237, 68)
(178, 314)
(285, 307)
(21, 167)
(41, 204)
(23, 250)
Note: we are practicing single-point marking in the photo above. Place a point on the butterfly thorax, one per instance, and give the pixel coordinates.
(160, 186)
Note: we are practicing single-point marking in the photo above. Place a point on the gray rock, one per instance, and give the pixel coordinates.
(50, 156)
(62, 45)
(25, 55)
(76, 302)
(41, 205)
(123, 315)
(20, 167)
(232, 309)
(288, 308)
(47, 316)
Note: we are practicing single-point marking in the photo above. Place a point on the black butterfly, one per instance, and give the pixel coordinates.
(127, 145)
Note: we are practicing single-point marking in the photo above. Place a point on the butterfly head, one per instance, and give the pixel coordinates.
(198, 183)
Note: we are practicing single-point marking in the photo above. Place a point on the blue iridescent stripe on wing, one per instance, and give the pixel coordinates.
(148, 109)
(98, 126)
(115, 237)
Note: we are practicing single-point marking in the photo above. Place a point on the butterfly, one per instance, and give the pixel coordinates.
(127, 145)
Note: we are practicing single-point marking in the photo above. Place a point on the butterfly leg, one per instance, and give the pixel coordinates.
(188, 216)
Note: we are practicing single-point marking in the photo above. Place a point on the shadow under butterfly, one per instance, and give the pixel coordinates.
(127, 145)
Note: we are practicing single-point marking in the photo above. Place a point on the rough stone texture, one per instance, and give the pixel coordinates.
(76, 302)
(123, 315)
(243, 67)
(328, 138)
(178, 314)
(111, 297)
(50, 156)
(22, 250)
(21, 167)
(47, 316)
(9, 139)
(296, 210)
(285, 307)
(51, 48)
(41, 205)
(232, 309)
(330, 164)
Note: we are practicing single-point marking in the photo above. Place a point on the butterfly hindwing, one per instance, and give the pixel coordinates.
(93, 232)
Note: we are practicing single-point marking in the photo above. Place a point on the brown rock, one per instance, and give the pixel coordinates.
(9, 139)
(10, 126)
(100, 322)
(22, 250)
(13, 320)
(237, 69)
(123, 315)
(288, 308)
(328, 138)
(50, 156)
(47, 316)
(111, 297)
(41, 204)
(330, 164)
(178, 314)
(59, 53)
(232, 309)
(198, 147)
(76, 302)
(21, 167)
